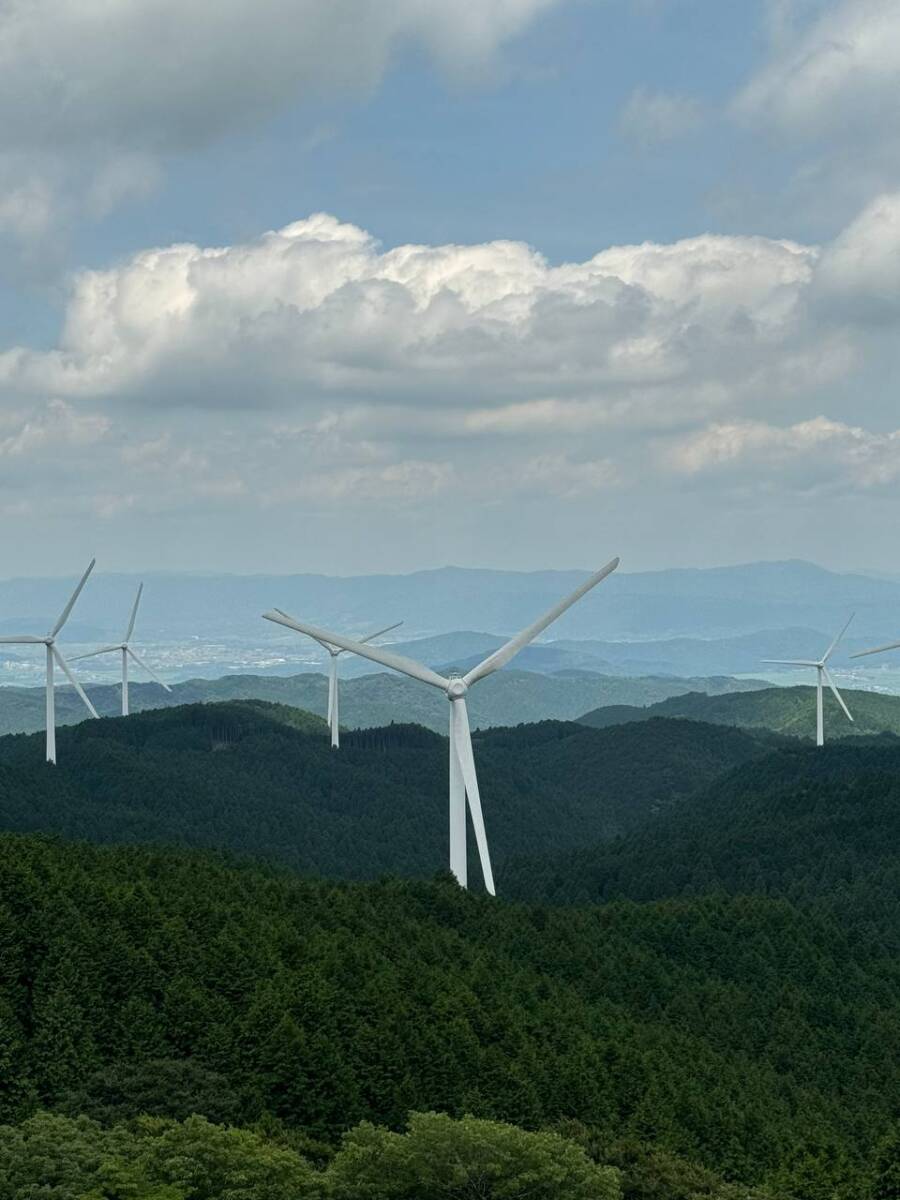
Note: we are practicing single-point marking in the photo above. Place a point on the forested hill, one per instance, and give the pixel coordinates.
(741, 1033)
(505, 698)
(820, 826)
(262, 780)
(785, 710)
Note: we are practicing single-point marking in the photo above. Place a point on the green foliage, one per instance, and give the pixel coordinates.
(57, 1158)
(819, 826)
(735, 1032)
(252, 778)
(162, 1087)
(441, 1158)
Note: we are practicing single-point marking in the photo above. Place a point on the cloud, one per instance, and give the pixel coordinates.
(163, 75)
(95, 100)
(311, 369)
(841, 70)
(809, 456)
(23, 435)
(650, 118)
(860, 270)
(316, 316)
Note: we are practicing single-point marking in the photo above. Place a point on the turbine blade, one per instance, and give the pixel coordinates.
(463, 741)
(861, 654)
(94, 653)
(387, 629)
(64, 615)
(396, 662)
(74, 682)
(831, 649)
(837, 694)
(789, 662)
(20, 641)
(130, 630)
(502, 656)
(140, 662)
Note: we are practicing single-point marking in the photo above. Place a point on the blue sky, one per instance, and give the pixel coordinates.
(728, 365)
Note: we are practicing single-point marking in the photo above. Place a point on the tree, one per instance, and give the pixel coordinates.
(208, 1162)
(442, 1159)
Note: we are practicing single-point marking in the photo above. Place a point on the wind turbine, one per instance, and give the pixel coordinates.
(333, 718)
(822, 675)
(125, 649)
(55, 656)
(463, 779)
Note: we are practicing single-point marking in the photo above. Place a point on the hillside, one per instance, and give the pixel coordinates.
(789, 710)
(506, 698)
(262, 780)
(820, 827)
(739, 1032)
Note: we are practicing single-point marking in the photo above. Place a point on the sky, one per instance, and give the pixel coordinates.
(349, 286)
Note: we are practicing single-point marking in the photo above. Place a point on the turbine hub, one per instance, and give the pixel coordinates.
(457, 689)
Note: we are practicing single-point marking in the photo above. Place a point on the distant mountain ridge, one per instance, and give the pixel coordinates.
(784, 710)
(691, 602)
(507, 698)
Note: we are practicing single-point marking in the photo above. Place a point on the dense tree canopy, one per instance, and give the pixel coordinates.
(262, 779)
(734, 1032)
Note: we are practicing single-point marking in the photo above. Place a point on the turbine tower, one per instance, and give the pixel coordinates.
(463, 779)
(823, 675)
(335, 653)
(54, 656)
(125, 649)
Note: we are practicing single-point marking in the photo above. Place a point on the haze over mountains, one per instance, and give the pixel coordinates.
(722, 602)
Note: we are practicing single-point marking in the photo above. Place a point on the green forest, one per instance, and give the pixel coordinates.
(261, 779)
(742, 1034)
(231, 965)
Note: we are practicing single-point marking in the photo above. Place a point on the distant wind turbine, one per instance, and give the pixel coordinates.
(463, 779)
(333, 715)
(125, 649)
(822, 675)
(55, 656)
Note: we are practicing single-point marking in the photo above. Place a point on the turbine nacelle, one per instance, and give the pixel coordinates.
(457, 688)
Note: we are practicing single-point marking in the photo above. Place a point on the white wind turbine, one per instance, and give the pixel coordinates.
(823, 675)
(463, 779)
(55, 656)
(335, 653)
(125, 649)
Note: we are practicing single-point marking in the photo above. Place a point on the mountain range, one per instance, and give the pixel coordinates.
(723, 602)
(505, 698)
